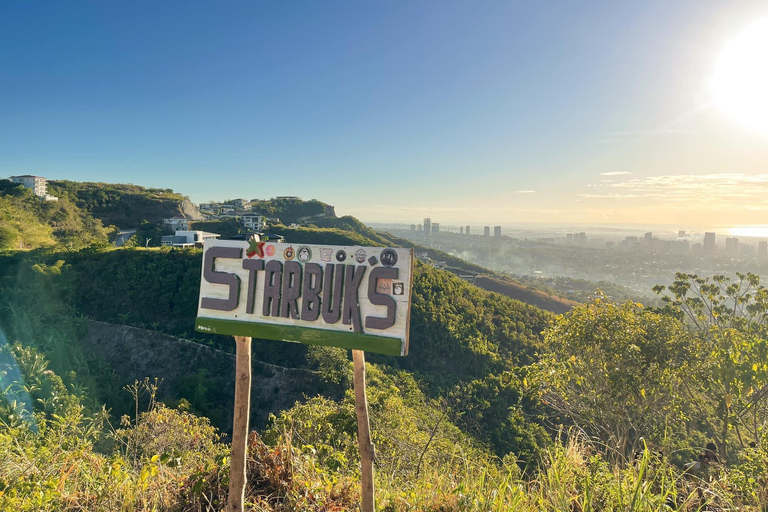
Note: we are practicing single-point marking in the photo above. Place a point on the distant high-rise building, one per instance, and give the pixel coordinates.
(435, 227)
(648, 237)
(487, 231)
(427, 226)
(732, 245)
(461, 230)
(413, 227)
(709, 242)
(467, 230)
(569, 237)
(582, 237)
(419, 228)
(762, 248)
(497, 231)
(681, 234)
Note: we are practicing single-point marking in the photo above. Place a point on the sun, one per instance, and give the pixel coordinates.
(739, 85)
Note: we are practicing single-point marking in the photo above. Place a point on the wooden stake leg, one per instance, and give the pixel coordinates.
(367, 450)
(240, 424)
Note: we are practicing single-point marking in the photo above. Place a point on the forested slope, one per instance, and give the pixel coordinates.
(122, 205)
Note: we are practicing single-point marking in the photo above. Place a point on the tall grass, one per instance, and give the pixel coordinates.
(573, 477)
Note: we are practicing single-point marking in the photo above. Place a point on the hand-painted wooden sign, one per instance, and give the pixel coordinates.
(350, 297)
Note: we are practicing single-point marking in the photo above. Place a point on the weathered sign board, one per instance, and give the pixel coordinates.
(343, 296)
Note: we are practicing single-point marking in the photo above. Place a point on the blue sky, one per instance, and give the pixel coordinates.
(392, 111)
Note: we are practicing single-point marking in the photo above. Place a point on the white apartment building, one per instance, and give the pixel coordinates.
(253, 222)
(38, 184)
(176, 223)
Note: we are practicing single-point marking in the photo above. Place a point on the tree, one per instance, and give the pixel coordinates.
(729, 382)
(616, 371)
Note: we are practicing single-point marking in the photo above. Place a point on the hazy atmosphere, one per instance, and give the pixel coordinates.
(588, 112)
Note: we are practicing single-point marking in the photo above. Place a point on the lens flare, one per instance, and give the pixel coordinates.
(12, 389)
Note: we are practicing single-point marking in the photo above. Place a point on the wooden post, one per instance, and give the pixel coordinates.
(367, 450)
(240, 424)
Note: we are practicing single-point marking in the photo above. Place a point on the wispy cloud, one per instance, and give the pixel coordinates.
(609, 196)
(699, 190)
(615, 173)
(525, 192)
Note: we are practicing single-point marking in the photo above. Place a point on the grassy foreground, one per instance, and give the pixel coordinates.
(168, 459)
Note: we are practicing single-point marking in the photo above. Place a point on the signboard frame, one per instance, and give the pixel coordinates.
(295, 330)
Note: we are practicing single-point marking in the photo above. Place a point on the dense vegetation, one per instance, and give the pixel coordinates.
(499, 406)
(291, 211)
(622, 452)
(26, 222)
(122, 205)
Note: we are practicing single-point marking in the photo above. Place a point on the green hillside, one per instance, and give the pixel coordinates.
(499, 406)
(489, 381)
(293, 210)
(459, 333)
(122, 205)
(28, 222)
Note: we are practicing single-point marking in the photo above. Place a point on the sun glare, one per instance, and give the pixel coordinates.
(740, 82)
(748, 231)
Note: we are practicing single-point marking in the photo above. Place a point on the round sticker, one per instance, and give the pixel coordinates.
(288, 254)
(341, 256)
(270, 250)
(304, 253)
(388, 257)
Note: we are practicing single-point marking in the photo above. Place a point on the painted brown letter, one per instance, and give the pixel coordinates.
(274, 274)
(291, 290)
(379, 299)
(351, 300)
(231, 280)
(310, 302)
(332, 295)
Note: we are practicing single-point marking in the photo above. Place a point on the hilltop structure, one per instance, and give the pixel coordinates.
(37, 184)
(176, 223)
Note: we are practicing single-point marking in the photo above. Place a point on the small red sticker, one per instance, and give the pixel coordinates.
(270, 250)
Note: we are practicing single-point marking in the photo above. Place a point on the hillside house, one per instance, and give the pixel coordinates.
(253, 222)
(176, 223)
(184, 238)
(37, 184)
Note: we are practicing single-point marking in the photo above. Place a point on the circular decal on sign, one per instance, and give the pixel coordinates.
(341, 256)
(388, 257)
(288, 254)
(270, 250)
(304, 253)
(360, 256)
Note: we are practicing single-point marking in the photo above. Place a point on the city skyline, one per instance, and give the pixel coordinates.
(499, 113)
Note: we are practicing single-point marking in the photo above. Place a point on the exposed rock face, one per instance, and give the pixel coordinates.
(190, 211)
(135, 353)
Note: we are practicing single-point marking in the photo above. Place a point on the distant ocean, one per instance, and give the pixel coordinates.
(616, 231)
